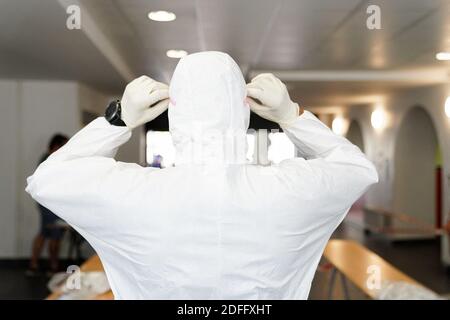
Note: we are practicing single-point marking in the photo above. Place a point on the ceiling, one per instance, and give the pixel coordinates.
(118, 42)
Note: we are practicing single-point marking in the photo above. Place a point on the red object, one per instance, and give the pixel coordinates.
(438, 189)
(325, 267)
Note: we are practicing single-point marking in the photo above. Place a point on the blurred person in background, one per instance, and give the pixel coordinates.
(49, 228)
(157, 161)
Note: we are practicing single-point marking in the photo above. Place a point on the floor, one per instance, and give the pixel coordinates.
(15, 285)
(419, 259)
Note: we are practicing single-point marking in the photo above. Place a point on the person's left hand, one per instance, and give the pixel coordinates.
(144, 99)
(269, 98)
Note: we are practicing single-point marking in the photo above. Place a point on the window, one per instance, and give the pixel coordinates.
(160, 149)
(280, 147)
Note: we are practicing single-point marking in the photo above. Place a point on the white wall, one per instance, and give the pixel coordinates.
(32, 111)
(380, 145)
(8, 167)
(45, 108)
(415, 167)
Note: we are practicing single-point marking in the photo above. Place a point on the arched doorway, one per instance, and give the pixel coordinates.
(354, 134)
(416, 167)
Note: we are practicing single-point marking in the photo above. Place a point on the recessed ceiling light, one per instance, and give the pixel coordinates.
(339, 125)
(378, 119)
(163, 16)
(176, 54)
(443, 56)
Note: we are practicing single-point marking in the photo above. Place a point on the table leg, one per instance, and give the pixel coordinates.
(332, 282)
(345, 287)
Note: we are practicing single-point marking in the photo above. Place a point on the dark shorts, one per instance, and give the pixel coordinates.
(49, 229)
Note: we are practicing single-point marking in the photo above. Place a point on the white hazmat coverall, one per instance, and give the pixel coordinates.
(211, 227)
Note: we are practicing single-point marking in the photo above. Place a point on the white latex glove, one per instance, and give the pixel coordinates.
(143, 100)
(276, 105)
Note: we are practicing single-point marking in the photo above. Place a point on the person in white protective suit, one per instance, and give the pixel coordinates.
(213, 226)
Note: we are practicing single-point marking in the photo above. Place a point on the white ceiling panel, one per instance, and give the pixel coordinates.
(259, 34)
(35, 43)
(300, 28)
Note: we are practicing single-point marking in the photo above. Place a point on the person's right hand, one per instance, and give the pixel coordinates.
(143, 100)
(276, 105)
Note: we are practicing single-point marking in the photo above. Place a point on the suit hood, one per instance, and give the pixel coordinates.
(208, 115)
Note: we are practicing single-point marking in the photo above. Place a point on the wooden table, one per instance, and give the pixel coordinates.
(92, 264)
(353, 261)
(349, 258)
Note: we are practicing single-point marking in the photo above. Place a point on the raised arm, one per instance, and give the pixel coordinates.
(81, 182)
(332, 173)
(335, 170)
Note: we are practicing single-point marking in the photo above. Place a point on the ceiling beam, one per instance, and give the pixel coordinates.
(414, 76)
(110, 50)
(264, 36)
(200, 26)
